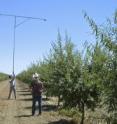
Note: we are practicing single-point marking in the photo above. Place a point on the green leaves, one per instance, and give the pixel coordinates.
(104, 62)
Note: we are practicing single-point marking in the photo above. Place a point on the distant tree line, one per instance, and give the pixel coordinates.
(3, 76)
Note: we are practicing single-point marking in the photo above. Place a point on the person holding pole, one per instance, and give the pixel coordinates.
(12, 86)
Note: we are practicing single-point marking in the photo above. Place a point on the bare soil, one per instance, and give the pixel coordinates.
(19, 111)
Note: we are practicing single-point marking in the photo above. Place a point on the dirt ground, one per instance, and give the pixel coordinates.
(19, 111)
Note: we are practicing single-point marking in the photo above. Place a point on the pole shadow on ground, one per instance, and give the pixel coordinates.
(20, 116)
(62, 121)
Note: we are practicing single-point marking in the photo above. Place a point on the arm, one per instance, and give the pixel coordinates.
(41, 87)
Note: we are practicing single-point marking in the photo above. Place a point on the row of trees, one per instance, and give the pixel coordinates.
(3, 76)
(82, 81)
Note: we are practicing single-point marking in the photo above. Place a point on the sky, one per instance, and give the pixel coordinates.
(34, 37)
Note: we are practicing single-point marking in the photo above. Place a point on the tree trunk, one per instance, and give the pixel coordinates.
(58, 100)
(83, 113)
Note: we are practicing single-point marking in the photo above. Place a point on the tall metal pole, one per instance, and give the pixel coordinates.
(15, 26)
(14, 43)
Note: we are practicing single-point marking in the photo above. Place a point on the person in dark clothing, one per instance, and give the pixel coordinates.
(36, 89)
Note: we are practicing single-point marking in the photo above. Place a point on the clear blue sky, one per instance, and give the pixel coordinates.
(33, 38)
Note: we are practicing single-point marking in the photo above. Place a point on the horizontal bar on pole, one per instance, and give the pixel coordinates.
(23, 16)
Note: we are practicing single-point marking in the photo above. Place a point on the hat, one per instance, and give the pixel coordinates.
(35, 75)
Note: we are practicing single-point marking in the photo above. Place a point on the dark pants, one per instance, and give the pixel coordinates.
(36, 99)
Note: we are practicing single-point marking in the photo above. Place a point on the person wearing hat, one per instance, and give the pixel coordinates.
(36, 89)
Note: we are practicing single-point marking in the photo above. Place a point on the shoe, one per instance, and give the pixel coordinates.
(39, 113)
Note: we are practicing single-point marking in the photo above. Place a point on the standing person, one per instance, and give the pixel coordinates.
(37, 89)
(12, 86)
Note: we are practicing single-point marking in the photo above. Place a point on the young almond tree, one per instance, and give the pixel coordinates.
(57, 68)
(80, 89)
(107, 35)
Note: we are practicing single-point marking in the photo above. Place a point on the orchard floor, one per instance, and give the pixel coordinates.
(19, 111)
